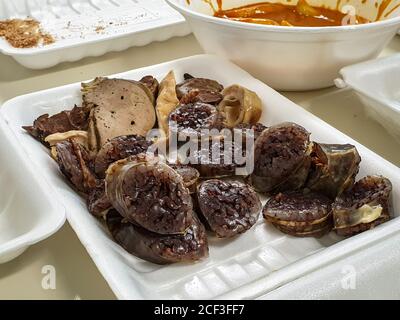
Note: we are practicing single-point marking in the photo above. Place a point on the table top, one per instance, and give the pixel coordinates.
(76, 275)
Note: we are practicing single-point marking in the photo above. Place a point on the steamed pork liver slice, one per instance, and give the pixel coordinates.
(120, 107)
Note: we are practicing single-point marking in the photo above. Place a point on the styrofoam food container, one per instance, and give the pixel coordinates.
(254, 263)
(85, 28)
(368, 275)
(29, 211)
(291, 58)
(376, 82)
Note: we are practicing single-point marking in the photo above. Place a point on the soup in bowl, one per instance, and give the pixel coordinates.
(292, 44)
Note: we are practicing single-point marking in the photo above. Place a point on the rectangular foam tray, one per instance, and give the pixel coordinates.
(84, 28)
(248, 266)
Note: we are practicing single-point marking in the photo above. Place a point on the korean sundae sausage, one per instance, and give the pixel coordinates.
(161, 249)
(190, 119)
(334, 168)
(364, 206)
(230, 208)
(74, 162)
(149, 193)
(297, 179)
(97, 201)
(199, 90)
(119, 148)
(281, 156)
(243, 129)
(189, 175)
(300, 214)
(217, 159)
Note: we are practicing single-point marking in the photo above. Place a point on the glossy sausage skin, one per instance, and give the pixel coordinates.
(161, 249)
(279, 152)
(366, 205)
(334, 168)
(229, 207)
(151, 194)
(119, 148)
(300, 214)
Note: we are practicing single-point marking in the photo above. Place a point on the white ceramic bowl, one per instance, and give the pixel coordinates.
(291, 58)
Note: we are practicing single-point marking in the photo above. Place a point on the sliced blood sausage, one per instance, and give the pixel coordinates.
(217, 158)
(190, 119)
(278, 153)
(230, 208)
(97, 201)
(149, 193)
(300, 214)
(119, 148)
(161, 249)
(74, 162)
(189, 175)
(364, 206)
(298, 178)
(256, 129)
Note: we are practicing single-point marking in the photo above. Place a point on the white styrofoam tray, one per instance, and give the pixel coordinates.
(84, 28)
(29, 211)
(245, 267)
(376, 82)
(365, 275)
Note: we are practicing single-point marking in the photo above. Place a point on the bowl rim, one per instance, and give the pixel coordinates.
(281, 29)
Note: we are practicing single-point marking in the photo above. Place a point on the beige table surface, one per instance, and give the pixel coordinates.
(76, 274)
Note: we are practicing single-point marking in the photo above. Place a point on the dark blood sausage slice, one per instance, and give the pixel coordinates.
(119, 148)
(190, 119)
(149, 193)
(334, 168)
(199, 90)
(298, 178)
(230, 208)
(244, 128)
(300, 214)
(161, 249)
(218, 160)
(278, 153)
(248, 133)
(364, 206)
(189, 175)
(152, 84)
(74, 162)
(97, 201)
(75, 119)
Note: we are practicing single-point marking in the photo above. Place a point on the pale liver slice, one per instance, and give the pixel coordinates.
(120, 107)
